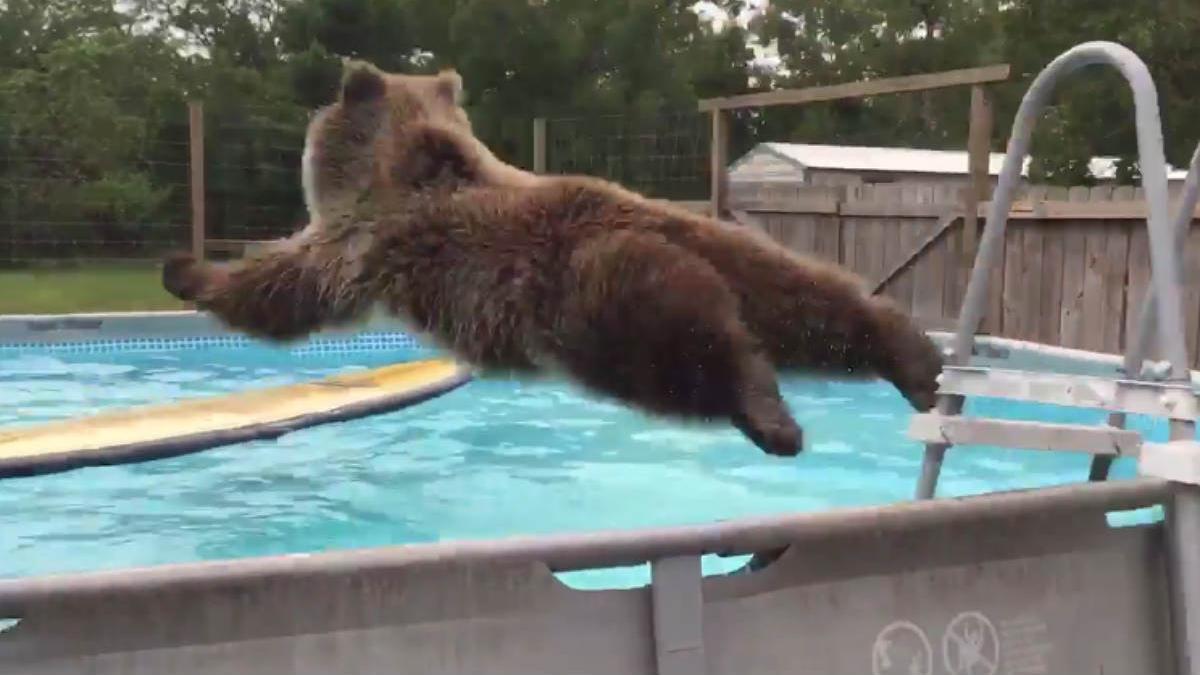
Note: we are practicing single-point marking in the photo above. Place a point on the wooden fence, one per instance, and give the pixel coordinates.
(1074, 271)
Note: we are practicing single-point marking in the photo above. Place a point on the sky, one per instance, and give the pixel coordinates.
(765, 56)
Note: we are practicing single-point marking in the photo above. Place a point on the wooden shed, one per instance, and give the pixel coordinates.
(845, 165)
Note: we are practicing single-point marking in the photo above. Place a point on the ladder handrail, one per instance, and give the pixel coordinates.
(1166, 273)
(1139, 343)
(1185, 212)
(1165, 268)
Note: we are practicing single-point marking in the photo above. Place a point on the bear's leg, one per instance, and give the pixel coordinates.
(292, 289)
(901, 353)
(655, 326)
(761, 414)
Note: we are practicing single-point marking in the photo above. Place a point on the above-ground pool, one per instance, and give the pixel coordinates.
(491, 459)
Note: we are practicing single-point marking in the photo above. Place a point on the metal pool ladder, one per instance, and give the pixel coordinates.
(1139, 392)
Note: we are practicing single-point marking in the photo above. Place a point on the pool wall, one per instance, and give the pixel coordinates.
(1017, 579)
(161, 331)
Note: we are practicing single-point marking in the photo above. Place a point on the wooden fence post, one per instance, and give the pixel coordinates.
(196, 151)
(978, 155)
(718, 154)
(539, 145)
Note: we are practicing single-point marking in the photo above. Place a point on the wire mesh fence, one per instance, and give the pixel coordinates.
(104, 191)
(252, 181)
(81, 199)
(124, 196)
(664, 155)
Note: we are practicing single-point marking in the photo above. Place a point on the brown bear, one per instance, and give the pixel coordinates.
(669, 311)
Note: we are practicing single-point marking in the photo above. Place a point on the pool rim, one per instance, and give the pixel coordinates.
(48, 330)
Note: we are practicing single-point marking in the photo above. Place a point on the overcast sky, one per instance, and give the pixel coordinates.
(764, 55)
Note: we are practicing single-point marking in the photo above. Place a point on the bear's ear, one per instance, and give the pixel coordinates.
(361, 82)
(450, 86)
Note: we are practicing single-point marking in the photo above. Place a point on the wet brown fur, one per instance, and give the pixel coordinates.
(666, 310)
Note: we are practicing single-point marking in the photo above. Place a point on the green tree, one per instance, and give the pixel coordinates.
(828, 41)
(628, 71)
(75, 125)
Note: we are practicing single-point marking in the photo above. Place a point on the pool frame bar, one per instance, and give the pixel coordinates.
(1031, 581)
(1041, 567)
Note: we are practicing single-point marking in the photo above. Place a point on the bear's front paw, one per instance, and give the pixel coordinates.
(772, 429)
(180, 276)
(923, 398)
(784, 439)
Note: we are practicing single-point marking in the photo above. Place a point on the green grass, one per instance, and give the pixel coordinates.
(87, 288)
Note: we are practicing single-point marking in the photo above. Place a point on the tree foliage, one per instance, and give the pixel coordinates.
(827, 41)
(93, 93)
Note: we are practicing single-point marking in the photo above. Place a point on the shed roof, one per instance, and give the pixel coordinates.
(904, 160)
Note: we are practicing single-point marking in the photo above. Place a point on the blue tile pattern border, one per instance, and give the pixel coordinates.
(358, 343)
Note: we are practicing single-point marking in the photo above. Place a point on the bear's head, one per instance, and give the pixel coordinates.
(388, 132)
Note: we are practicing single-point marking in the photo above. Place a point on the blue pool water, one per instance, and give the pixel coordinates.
(491, 459)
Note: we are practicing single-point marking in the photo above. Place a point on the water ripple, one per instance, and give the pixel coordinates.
(494, 458)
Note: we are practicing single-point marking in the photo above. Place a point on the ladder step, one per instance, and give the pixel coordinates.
(1157, 399)
(958, 430)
